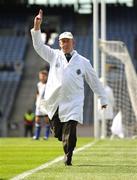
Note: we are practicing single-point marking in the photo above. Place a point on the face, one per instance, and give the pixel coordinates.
(43, 77)
(66, 45)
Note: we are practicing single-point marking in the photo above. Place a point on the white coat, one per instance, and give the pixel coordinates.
(65, 86)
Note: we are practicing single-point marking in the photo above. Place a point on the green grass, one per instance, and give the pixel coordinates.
(21, 154)
(106, 160)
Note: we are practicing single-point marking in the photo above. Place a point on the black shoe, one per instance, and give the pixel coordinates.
(68, 159)
(60, 138)
(68, 164)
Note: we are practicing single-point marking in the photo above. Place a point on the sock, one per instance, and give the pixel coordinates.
(37, 130)
(47, 131)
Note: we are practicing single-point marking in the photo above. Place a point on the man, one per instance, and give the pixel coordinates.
(41, 86)
(65, 87)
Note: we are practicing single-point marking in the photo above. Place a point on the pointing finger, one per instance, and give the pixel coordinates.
(39, 16)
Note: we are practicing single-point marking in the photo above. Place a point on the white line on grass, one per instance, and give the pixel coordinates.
(60, 158)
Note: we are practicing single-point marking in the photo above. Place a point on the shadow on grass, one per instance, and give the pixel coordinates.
(105, 165)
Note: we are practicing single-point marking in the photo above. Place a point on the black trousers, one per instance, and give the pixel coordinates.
(28, 130)
(65, 132)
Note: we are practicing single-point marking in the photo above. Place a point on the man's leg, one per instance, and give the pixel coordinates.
(47, 128)
(25, 131)
(31, 130)
(37, 127)
(69, 139)
(56, 126)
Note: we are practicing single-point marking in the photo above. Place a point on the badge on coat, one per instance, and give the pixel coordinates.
(78, 71)
(57, 65)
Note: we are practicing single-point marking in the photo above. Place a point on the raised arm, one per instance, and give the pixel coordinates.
(43, 50)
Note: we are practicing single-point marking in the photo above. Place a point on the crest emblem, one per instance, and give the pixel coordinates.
(57, 65)
(78, 71)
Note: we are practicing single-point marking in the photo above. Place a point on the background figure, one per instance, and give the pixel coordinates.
(28, 123)
(108, 113)
(39, 114)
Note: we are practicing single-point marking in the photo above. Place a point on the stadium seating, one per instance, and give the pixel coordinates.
(12, 52)
(9, 82)
(122, 25)
(14, 21)
(12, 48)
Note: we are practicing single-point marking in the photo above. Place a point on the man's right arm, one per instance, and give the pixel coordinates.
(43, 50)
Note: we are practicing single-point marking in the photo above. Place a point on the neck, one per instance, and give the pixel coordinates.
(44, 82)
(70, 52)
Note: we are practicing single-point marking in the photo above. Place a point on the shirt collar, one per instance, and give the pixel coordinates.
(72, 52)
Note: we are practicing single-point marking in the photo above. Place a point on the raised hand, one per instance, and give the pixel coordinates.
(38, 20)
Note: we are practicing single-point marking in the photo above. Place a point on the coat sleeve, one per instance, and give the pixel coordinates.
(43, 50)
(94, 83)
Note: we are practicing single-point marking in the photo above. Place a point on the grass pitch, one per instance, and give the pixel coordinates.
(106, 160)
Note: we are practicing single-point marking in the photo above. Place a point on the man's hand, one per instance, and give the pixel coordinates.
(104, 106)
(38, 20)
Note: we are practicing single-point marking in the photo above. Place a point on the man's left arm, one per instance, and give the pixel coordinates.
(95, 84)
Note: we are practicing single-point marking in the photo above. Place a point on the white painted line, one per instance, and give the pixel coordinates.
(60, 158)
(85, 146)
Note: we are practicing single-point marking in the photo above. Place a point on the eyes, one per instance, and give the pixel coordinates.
(67, 41)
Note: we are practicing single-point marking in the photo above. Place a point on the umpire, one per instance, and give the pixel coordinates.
(65, 87)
